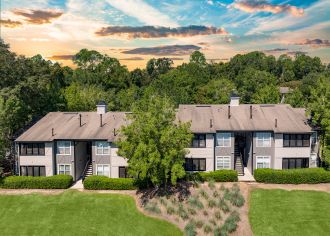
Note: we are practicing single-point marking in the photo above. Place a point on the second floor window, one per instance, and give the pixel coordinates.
(32, 149)
(102, 148)
(223, 139)
(64, 147)
(199, 141)
(264, 139)
(296, 140)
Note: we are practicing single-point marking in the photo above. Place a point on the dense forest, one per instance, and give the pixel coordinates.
(32, 87)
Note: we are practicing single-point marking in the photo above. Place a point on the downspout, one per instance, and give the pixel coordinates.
(252, 162)
(214, 145)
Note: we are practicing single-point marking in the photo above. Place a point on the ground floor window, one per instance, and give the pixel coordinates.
(64, 169)
(263, 162)
(123, 172)
(103, 170)
(295, 163)
(33, 170)
(195, 164)
(223, 162)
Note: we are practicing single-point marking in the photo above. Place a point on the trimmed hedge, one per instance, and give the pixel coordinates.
(104, 183)
(217, 176)
(294, 176)
(42, 182)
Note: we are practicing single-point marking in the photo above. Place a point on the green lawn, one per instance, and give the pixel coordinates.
(280, 212)
(75, 213)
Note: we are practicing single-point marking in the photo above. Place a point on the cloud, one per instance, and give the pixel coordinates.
(252, 6)
(143, 12)
(176, 50)
(159, 32)
(315, 43)
(10, 23)
(294, 53)
(61, 57)
(133, 59)
(276, 50)
(38, 17)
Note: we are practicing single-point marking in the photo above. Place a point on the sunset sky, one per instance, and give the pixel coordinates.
(137, 30)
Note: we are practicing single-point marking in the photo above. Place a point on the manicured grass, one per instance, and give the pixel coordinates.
(280, 212)
(75, 213)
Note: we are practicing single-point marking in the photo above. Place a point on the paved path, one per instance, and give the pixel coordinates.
(78, 185)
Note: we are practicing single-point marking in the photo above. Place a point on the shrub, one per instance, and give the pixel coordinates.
(170, 210)
(199, 224)
(295, 176)
(152, 207)
(195, 202)
(96, 182)
(190, 229)
(217, 215)
(42, 182)
(220, 176)
(207, 229)
(211, 203)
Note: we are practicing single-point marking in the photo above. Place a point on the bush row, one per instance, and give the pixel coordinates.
(295, 176)
(217, 176)
(96, 182)
(42, 182)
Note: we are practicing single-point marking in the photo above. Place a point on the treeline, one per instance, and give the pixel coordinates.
(32, 87)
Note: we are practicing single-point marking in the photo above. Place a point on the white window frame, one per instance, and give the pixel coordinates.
(262, 139)
(63, 147)
(102, 165)
(261, 159)
(58, 169)
(104, 150)
(223, 162)
(223, 139)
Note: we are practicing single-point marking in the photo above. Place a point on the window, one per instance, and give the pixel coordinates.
(223, 139)
(199, 141)
(33, 171)
(223, 163)
(264, 139)
(296, 140)
(102, 148)
(195, 164)
(295, 163)
(64, 169)
(123, 172)
(32, 149)
(64, 147)
(263, 162)
(103, 170)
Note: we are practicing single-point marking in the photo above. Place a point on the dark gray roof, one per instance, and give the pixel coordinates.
(204, 119)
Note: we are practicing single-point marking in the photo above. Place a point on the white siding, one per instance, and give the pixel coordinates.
(46, 160)
(116, 161)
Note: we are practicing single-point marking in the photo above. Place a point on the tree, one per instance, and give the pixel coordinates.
(198, 58)
(154, 143)
(268, 94)
(156, 67)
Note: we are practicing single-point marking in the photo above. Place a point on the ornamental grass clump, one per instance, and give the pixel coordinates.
(217, 215)
(195, 202)
(204, 194)
(207, 229)
(215, 194)
(163, 201)
(213, 222)
(199, 224)
(231, 222)
(190, 229)
(192, 211)
(211, 184)
(170, 210)
(152, 207)
(211, 203)
(182, 212)
(223, 205)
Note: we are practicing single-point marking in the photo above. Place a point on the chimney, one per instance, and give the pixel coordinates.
(250, 111)
(275, 123)
(80, 120)
(234, 100)
(101, 107)
(229, 115)
(101, 123)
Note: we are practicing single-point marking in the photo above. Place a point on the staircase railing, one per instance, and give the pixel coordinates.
(85, 170)
(241, 157)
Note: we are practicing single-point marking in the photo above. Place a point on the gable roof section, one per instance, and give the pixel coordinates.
(212, 118)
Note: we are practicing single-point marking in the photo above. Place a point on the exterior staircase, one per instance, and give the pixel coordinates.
(239, 167)
(89, 170)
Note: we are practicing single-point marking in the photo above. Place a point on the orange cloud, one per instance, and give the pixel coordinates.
(10, 23)
(315, 43)
(38, 17)
(158, 32)
(61, 57)
(175, 50)
(252, 6)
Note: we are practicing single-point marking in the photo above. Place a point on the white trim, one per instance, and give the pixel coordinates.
(103, 169)
(57, 147)
(102, 154)
(263, 139)
(58, 168)
(263, 158)
(216, 164)
(216, 139)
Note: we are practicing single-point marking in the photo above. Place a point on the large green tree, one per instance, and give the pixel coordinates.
(153, 143)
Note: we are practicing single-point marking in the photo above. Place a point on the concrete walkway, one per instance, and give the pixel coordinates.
(247, 177)
(78, 185)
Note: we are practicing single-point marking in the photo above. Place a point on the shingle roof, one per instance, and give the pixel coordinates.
(66, 125)
(212, 118)
(204, 119)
